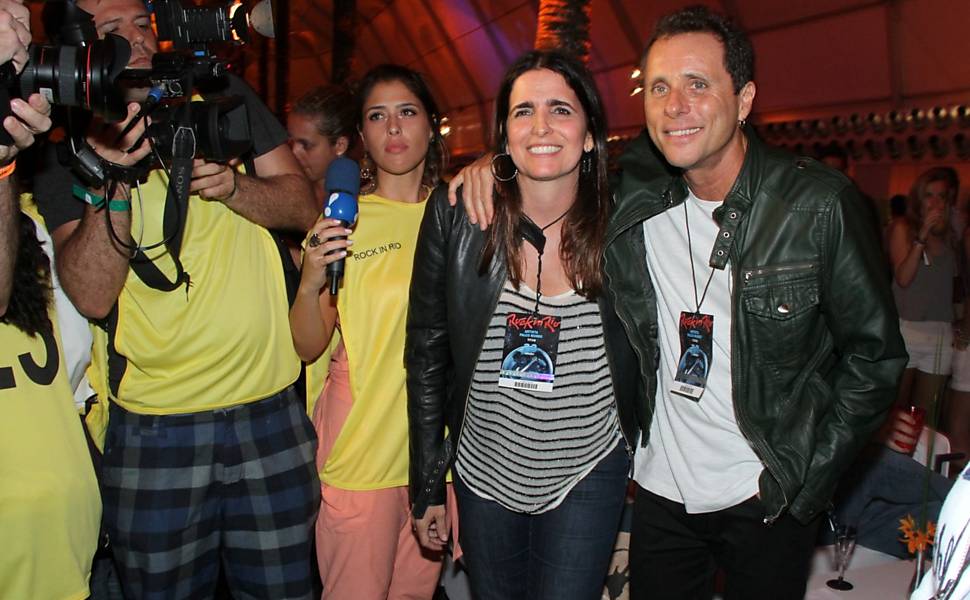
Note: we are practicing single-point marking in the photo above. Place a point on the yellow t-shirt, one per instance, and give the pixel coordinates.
(371, 451)
(222, 342)
(50, 508)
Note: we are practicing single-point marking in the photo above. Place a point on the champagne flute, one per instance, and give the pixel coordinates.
(844, 545)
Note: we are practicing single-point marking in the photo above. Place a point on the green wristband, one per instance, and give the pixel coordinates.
(85, 195)
(119, 205)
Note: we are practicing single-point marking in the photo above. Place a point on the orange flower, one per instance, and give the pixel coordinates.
(906, 525)
(915, 538)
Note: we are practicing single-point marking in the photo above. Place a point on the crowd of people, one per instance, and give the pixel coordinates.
(712, 321)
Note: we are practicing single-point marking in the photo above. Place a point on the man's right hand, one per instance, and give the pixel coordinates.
(477, 193)
(103, 138)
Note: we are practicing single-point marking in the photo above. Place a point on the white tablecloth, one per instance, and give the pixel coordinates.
(887, 581)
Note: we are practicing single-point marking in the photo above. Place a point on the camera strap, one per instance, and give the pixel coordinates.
(174, 219)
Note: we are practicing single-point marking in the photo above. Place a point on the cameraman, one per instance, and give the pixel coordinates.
(50, 507)
(208, 455)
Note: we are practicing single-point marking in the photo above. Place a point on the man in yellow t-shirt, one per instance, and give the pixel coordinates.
(49, 505)
(208, 454)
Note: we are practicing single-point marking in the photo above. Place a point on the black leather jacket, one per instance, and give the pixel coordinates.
(450, 307)
(815, 346)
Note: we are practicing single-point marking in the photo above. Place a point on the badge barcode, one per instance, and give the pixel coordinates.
(686, 389)
(527, 385)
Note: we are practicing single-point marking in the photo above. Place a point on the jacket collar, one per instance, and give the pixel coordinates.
(649, 186)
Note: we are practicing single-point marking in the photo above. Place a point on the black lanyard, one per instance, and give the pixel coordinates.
(535, 235)
(693, 277)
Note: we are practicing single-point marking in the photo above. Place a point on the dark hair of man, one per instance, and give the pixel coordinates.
(914, 207)
(332, 107)
(584, 227)
(437, 158)
(31, 296)
(738, 52)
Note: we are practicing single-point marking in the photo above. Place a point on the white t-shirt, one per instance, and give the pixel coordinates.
(74, 328)
(949, 576)
(697, 455)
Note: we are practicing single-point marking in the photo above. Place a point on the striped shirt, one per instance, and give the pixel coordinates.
(524, 449)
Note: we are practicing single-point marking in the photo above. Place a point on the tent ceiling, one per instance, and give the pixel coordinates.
(813, 58)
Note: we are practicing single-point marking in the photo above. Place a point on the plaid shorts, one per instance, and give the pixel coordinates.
(237, 487)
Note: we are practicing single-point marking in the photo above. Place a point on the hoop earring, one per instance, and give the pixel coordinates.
(496, 170)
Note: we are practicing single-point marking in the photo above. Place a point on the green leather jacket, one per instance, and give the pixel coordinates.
(815, 346)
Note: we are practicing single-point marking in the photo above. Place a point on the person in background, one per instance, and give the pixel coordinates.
(924, 264)
(321, 126)
(884, 485)
(955, 417)
(366, 548)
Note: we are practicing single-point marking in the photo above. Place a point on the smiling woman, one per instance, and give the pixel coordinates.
(510, 345)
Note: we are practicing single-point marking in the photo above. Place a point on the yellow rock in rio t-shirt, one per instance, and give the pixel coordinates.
(371, 451)
(50, 509)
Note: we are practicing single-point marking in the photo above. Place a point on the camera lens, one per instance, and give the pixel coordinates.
(79, 76)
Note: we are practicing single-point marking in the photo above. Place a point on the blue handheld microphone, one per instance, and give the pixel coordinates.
(342, 184)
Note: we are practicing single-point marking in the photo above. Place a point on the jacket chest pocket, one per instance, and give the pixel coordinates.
(782, 315)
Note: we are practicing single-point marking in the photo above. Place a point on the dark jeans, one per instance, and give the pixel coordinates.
(674, 555)
(562, 553)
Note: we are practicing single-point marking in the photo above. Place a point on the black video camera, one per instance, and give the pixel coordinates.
(221, 125)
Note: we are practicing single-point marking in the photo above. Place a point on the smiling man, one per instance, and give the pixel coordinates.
(761, 267)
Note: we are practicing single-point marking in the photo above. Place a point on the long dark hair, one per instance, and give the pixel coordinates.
(31, 295)
(437, 157)
(584, 227)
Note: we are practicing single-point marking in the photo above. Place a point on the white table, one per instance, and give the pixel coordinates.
(885, 581)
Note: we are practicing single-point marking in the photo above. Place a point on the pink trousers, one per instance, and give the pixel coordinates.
(366, 549)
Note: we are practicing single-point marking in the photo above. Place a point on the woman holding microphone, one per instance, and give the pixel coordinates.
(361, 417)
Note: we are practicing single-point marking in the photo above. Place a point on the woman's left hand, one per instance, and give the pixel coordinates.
(432, 528)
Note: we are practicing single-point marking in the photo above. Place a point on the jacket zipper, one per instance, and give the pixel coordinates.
(759, 445)
(750, 274)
